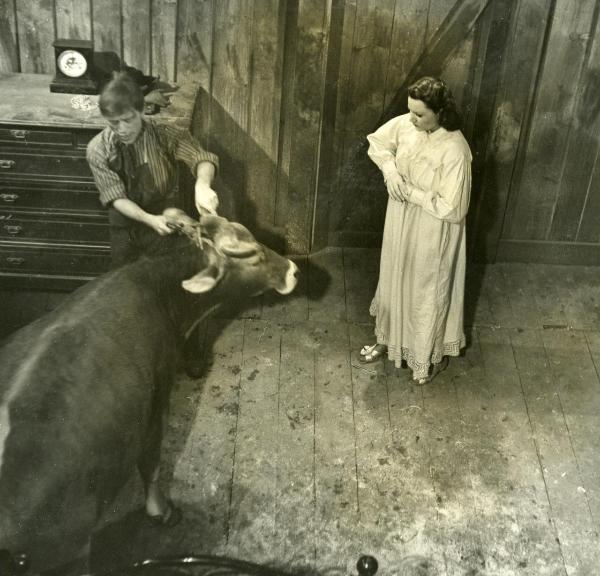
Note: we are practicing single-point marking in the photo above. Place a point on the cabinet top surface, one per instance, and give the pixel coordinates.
(26, 99)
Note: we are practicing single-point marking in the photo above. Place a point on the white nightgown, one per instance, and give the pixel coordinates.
(418, 304)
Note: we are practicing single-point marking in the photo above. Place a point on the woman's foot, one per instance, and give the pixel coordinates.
(372, 353)
(434, 370)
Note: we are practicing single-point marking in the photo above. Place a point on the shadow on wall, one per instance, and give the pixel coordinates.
(245, 168)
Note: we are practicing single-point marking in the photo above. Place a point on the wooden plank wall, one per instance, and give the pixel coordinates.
(289, 90)
(554, 199)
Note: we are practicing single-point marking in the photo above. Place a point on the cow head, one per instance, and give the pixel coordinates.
(232, 251)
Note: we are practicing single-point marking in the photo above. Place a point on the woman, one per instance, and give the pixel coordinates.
(426, 164)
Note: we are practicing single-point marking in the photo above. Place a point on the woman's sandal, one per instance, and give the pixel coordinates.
(434, 370)
(372, 353)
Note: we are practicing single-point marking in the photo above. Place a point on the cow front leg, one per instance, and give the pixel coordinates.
(158, 508)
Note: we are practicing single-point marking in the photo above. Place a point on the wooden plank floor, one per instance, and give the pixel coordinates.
(290, 452)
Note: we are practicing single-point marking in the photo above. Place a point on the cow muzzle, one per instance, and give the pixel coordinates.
(291, 279)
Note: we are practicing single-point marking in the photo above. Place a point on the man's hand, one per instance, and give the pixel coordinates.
(205, 197)
(131, 210)
(159, 224)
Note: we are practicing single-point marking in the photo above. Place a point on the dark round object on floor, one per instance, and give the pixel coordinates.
(367, 566)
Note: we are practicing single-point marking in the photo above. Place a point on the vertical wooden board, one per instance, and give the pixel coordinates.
(358, 209)
(194, 40)
(409, 34)
(137, 34)
(556, 91)
(229, 106)
(509, 78)
(345, 63)
(372, 40)
(9, 49)
(328, 142)
(204, 469)
(164, 28)
(252, 515)
(582, 147)
(35, 26)
(295, 453)
(341, 110)
(516, 510)
(335, 457)
(295, 201)
(361, 273)
(437, 11)
(265, 110)
(327, 296)
(458, 70)
(395, 496)
(482, 35)
(73, 19)
(107, 26)
(293, 307)
(589, 226)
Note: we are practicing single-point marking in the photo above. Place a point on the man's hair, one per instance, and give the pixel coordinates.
(437, 97)
(119, 95)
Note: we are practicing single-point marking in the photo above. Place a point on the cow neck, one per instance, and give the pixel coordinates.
(162, 275)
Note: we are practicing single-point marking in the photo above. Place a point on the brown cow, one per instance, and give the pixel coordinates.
(83, 390)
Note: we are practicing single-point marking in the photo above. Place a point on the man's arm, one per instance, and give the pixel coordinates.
(202, 164)
(205, 197)
(131, 210)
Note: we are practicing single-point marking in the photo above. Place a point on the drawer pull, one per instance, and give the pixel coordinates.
(13, 229)
(15, 261)
(7, 164)
(19, 134)
(9, 197)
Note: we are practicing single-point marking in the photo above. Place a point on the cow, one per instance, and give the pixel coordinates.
(83, 390)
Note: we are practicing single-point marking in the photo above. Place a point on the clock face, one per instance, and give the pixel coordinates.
(72, 63)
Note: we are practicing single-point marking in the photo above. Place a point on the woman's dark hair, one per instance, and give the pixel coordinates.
(119, 95)
(438, 98)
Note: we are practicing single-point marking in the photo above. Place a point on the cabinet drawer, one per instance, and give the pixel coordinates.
(82, 137)
(20, 136)
(92, 230)
(45, 165)
(41, 259)
(48, 196)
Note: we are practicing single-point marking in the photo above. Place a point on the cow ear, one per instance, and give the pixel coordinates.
(202, 282)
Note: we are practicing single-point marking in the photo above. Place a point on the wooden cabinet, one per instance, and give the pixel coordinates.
(53, 229)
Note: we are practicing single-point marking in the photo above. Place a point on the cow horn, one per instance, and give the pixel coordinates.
(236, 249)
(178, 220)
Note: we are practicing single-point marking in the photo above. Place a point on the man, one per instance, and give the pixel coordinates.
(134, 163)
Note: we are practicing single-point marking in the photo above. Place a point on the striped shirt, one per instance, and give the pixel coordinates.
(159, 146)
